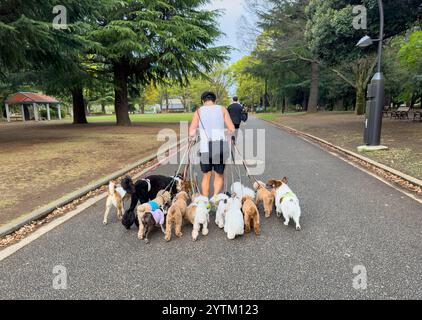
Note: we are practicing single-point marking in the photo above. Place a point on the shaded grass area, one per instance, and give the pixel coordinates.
(162, 117)
(274, 116)
(403, 137)
(43, 162)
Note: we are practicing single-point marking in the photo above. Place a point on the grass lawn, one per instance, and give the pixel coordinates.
(162, 117)
(275, 116)
(42, 162)
(403, 137)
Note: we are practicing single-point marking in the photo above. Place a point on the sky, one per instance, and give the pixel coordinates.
(229, 23)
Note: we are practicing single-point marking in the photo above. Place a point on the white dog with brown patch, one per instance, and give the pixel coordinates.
(116, 198)
(286, 202)
(222, 204)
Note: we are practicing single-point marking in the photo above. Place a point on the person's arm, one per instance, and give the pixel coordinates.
(228, 121)
(194, 125)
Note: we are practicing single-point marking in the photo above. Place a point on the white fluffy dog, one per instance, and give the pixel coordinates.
(222, 202)
(287, 203)
(199, 214)
(234, 224)
(240, 191)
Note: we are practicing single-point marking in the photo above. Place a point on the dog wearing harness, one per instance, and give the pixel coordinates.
(146, 211)
(145, 190)
(286, 202)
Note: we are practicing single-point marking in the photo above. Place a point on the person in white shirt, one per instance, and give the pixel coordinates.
(212, 121)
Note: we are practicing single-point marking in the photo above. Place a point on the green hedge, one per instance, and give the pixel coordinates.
(53, 113)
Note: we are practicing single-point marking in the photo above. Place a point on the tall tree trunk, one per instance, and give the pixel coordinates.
(266, 96)
(103, 108)
(167, 102)
(121, 103)
(339, 105)
(79, 114)
(360, 100)
(287, 102)
(305, 104)
(314, 92)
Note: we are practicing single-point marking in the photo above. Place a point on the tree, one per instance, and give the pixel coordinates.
(249, 87)
(29, 42)
(333, 39)
(151, 41)
(284, 25)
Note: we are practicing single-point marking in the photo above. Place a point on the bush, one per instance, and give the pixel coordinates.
(53, 113)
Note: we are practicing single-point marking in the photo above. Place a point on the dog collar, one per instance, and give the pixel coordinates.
(149, 184)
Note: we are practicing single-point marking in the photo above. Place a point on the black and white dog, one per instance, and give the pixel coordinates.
(146, 190)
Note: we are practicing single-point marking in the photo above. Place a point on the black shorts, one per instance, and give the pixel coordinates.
(209, 166)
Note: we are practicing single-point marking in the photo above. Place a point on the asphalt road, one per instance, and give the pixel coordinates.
(349, 219)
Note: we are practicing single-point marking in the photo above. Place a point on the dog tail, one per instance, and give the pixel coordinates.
(111, 187)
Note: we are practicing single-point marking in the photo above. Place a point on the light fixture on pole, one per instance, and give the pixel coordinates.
(375, 94)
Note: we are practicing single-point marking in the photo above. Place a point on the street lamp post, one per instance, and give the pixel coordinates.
(376, 92)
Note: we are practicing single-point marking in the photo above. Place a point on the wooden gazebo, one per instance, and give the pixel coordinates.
(30, 99)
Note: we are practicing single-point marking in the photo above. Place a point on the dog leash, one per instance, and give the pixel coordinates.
(251, 177)
(170, 186)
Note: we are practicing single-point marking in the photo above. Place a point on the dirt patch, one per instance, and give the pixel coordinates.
(403, 137)
(43, 162)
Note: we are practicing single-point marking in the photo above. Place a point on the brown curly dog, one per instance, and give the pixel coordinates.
(251, 214)
(265, 196)
(175, 215)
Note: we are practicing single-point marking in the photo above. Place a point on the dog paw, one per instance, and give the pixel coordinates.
(179, 235)
(286, 223)
(279, 215)
(147, 241)
(105, 223)
(298, 228)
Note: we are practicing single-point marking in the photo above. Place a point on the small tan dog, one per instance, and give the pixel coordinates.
(251, 215)
(116, 198)
(175, 215)
(265, 196)
(163, 197)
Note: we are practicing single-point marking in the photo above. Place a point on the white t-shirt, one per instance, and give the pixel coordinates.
(211, 125)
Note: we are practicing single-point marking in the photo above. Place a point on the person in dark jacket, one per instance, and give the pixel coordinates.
(235, 111)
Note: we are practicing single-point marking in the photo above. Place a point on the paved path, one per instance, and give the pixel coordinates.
(349, 219)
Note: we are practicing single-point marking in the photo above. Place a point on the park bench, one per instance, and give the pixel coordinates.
(417, 114)
(400, 113)
(16, 118)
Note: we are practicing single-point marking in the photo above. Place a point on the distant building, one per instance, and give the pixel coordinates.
(175, 105)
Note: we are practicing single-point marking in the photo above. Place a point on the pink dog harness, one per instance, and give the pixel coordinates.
(158, 216)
